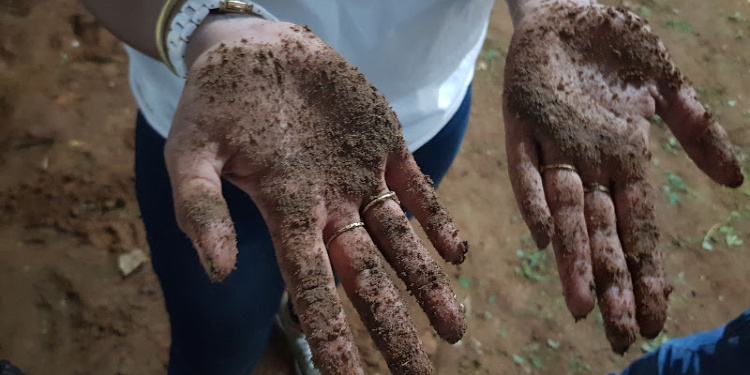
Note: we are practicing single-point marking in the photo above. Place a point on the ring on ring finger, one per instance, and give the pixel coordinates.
(566, 167)
(386, 196)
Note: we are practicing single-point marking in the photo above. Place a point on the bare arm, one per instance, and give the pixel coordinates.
(132, 21)
(524, 8)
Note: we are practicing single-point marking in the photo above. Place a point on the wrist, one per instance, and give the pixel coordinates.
(221, 28)
(522, 11)
(239, 31)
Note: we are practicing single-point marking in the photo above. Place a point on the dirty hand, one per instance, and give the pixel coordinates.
(278, 113)
(582, 82)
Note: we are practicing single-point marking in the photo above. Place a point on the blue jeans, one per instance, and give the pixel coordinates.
(223, 328)
(723, 351)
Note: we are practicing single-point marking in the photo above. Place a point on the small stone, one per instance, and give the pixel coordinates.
(131, 261)
(627, 4)
(66, 98)
(477, 346)
(553, 344)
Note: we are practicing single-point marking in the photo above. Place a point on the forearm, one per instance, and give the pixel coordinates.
(525, 8)
(132, 21)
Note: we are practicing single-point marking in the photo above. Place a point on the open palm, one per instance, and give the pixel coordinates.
(303, 133)
(581, 84)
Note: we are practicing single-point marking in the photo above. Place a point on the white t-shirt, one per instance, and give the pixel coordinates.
(420, 54)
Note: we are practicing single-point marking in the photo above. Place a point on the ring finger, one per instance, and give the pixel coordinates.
(564, 192)
(407, 255)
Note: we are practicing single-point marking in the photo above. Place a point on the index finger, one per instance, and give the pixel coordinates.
(304, 264)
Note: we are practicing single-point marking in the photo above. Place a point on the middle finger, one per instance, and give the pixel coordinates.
(614, 288)
(358, 264)
(634, 207)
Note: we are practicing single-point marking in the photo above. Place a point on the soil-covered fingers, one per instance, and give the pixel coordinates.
(570, 241)
(416, 192)
(636, 226)
(526, 181)
(307, 272)
(704, 140)
(360, 269)
(614, 288)
(200, 208)
(402, 248)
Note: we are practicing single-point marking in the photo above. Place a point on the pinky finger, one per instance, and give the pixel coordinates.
(527, 182)
(416, 192)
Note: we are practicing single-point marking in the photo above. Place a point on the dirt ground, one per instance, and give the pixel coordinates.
(68, 210)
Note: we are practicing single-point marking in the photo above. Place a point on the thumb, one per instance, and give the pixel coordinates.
(200, 208)
(704, 140)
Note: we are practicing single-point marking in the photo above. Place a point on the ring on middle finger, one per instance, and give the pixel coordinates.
(596, 187)
(566, 167)
(386, 196)
(343, 230)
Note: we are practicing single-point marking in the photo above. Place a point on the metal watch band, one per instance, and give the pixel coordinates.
(192, 13)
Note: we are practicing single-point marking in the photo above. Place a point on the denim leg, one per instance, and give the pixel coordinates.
(722, 351)
(436, 156)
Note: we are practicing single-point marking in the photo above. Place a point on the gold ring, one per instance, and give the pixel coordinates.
(596, 187)
(388, 195)
(345, 229)
(558, 166)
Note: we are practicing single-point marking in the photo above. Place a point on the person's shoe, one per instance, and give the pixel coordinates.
(288, 324)
(6, 368)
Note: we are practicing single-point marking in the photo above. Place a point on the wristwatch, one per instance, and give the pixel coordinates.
(186, 21)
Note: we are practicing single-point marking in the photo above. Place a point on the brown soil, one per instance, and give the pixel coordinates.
(68, 209)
